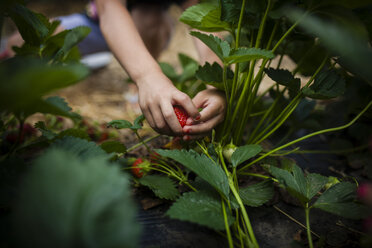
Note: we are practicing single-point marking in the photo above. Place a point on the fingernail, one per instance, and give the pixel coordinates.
(363, 190)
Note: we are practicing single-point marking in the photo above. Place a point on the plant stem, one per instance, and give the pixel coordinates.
(228, 233)
(239, 200)
(268, 111)
(308, 136)
(342, 151)
(258, 175)
(244, 213)
(262, 25)
(287, 111)
(280, 123)
(294, 220)
(237, 41)
(234, 86)
(143, 142)
(249, 83)
(307, 213)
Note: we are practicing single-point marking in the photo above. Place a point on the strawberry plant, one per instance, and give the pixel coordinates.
(330, 43)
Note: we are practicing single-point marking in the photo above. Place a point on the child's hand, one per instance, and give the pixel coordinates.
(213, 103)
(157, 96)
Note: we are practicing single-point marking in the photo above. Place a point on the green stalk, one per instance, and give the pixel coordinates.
(244, 213)
(281, 154)
(235, 80)
(308, 230)
(141, 140)
(272, 35)
(290, 108)
(237, 41)
(308, 136)
(142, 143)
(294, 220)
(241, 123)
(263, 119)
(286, 116)
(258, 175)
(262, 25)
(258, 113)
(257, 99)
(239, 231)
(342, 151)
(228, 233)
(239, 200)
(239, 108)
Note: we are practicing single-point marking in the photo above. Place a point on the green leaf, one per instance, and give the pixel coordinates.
(74, 132)
(79, 147)
(230, 9)
(201, 208)
(75, 202)
(314, 183)
(219, 47)
(257, 194)
(243, 54)
(48, 134)
(243, 153)
(212, 73)
(73, 37)
(202, 166)
(25, 81)
(189, 67)
(169, 71)
(327, 84)
(120, 124)
(113, 146)
(186, 60)
(355, 53)
(294, 181)
(53, 105)
(162, 186)
(285, 77)
(138, 122)
(204, 17)
(340, 200)
(31, 26)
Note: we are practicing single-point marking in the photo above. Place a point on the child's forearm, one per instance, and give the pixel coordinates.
(124, 40)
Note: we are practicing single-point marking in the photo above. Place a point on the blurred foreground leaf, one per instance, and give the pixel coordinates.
(69, 202)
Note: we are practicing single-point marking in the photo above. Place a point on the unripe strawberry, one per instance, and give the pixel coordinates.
(228, 151)
(181, 115)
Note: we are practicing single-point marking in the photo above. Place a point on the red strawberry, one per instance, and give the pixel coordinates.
(136, 169)
(140, 167)
(181, 115)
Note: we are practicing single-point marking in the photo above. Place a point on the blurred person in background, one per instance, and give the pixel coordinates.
(136, 32)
